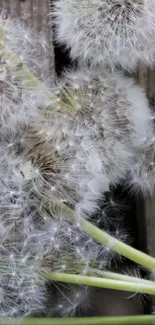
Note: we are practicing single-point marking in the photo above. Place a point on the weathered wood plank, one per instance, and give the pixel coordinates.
(146, 208)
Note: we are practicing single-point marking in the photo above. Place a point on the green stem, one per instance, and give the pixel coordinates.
(118, 246)
(101, 283)
(104, 238)
(118, 276)
(121, 320)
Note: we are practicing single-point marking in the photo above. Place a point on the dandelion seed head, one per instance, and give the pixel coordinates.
(83, 153)
(113, 33)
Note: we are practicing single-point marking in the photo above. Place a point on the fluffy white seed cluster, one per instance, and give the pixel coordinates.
(62, 149)
(33, 241)
(16, 105)
(109, 32)
(31, 238)
(32, 49)
(93, 145)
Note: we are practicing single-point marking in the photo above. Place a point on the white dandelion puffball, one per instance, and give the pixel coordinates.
(110, 32)
(93, 143)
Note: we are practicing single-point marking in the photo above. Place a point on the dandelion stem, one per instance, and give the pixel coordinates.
(118, 246)
(104, 238)
(118, 276)
(100, 282)
(121, 320)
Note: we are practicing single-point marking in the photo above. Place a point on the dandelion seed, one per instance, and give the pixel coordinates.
(113, 33)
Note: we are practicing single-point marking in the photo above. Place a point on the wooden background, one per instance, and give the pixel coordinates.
(146, 208)
(36, 14)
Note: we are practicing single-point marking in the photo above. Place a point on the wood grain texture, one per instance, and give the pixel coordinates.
(146, 208)
(36, 15)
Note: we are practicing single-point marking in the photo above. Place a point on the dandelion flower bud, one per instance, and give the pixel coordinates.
(117, 32)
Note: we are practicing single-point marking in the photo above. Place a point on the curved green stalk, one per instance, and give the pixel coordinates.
(100, 282)
(104, 238)
(118, 246)
(121, 320)
(118, 276)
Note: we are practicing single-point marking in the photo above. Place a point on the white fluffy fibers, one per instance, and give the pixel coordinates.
(142, 175)
(32, 48)
(94, 142)
(111, 32)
